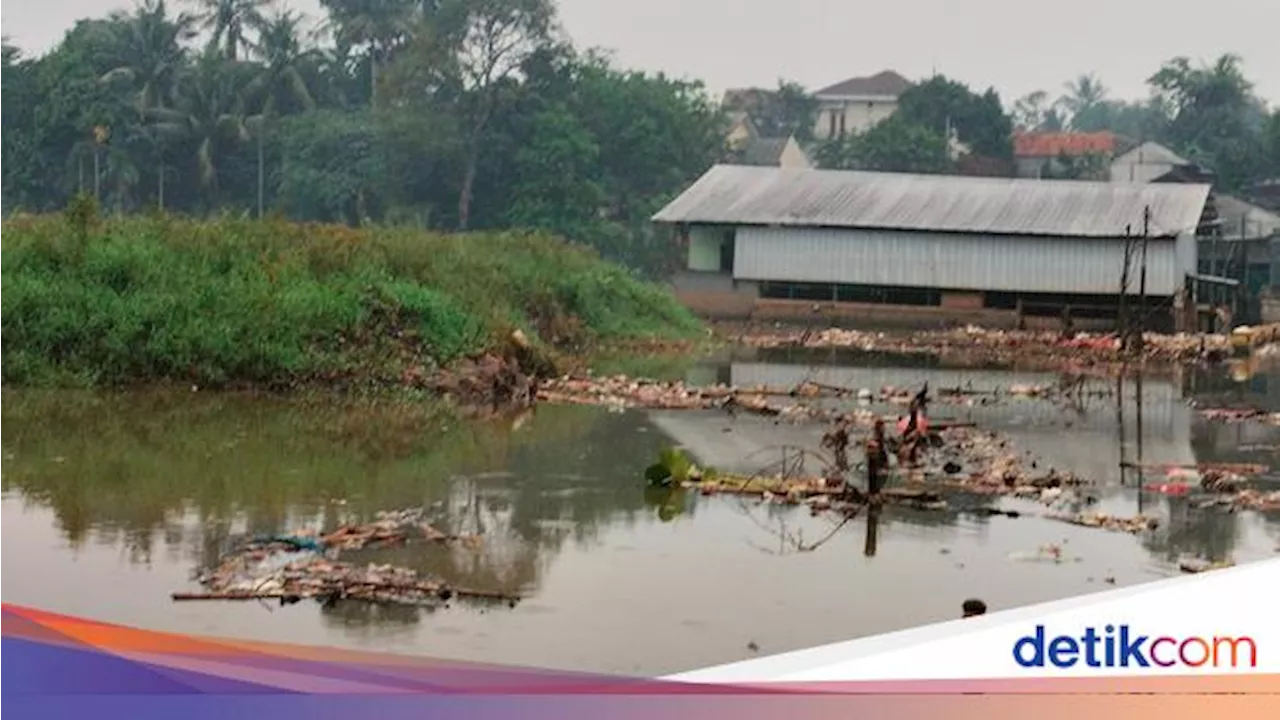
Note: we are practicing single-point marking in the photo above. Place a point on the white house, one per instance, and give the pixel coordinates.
(1147, 163)
(857, 104)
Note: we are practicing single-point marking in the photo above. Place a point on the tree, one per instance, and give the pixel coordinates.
(788, 111)
(1142, 121)
(1083, 94)
(469, 50)
(894, 145)
(207, 115)
(1034, 112)
(379, 26)
(228, 21)
(21, 148)
(149, 52)
(979, 121)
(280, 83)
(1216, 121)
(332, 168)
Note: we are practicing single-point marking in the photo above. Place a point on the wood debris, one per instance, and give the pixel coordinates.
(305, 565)
(1115, 523)
(999, 346)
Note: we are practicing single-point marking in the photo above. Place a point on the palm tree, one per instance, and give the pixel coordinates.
(281, 82)
(339, 70)
(1083, 93)
(149, 53)
(206, 115)
(379, 25)
(282, 79)
(228, 20)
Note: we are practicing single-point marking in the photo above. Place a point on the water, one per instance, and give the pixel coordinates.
(111, 502)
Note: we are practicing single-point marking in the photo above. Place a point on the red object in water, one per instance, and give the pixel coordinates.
(922, 424)
(1168, 488)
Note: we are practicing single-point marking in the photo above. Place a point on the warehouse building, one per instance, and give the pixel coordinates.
(768, 242)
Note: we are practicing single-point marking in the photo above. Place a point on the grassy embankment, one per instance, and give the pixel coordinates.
(277, 304)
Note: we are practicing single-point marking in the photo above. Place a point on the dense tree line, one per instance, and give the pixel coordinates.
(1209, 114)
(443, 113)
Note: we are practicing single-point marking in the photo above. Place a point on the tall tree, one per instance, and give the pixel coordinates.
(21, 144)
(895, 145)
(472, 48)
(1034, 112)
(1215, 118)
(1083, 94)
(788, 110)
(281, 83)
(208, 114)
(979, 121)
(150, 52)
(229, 21)
(378, 26)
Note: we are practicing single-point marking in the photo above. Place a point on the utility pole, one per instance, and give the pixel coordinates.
(1142, 276)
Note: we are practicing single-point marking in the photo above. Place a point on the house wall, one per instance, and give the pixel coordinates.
(953, 261)
(738, 134)
(715, 294)
(860, 114)
(793, 156)
(1129, 169)
(1029, 167)
(704, 248)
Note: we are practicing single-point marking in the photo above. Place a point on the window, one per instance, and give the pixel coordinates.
(842, 123)
(831, 124)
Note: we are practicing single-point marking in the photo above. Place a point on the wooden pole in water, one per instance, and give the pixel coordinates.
(1142, 276)
(1137, 398)
(873, 527)
(1122, 311)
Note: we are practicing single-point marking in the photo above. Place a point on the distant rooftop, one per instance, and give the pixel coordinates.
(886, 83)
(738, 195)
(1242, 216)
(1054, 144)
(763, 151)
(1156, 154)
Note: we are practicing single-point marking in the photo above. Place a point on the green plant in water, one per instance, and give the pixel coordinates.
(673, 467)
(669, 501)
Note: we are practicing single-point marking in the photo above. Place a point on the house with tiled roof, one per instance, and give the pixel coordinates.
(1064, 155)
(857, 104)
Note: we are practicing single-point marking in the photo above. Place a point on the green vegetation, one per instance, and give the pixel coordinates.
(283, 304)
(457, 115)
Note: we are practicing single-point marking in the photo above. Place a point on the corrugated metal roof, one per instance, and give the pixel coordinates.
(1257, 222)
(740, 195)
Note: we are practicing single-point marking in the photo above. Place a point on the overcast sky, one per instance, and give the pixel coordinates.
(1016, 45)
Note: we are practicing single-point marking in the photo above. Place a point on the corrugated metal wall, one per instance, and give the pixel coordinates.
(951, 261)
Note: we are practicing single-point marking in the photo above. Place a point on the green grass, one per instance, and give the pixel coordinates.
(147, 299)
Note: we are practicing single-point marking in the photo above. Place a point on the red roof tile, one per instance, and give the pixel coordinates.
(1048, 144)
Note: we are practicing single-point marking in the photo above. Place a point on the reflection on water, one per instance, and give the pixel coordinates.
(110, 502)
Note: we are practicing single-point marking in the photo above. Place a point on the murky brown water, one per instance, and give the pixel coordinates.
(110, 503)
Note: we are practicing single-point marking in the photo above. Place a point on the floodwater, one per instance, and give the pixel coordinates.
(112, 501)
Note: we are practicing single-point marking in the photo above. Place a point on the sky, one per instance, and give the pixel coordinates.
(1017, 46)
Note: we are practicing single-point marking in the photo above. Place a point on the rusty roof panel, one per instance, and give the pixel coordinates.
(741, 195)
(1049, 144)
